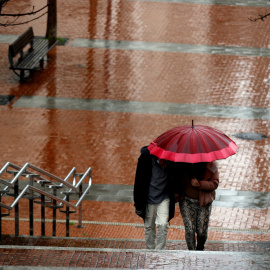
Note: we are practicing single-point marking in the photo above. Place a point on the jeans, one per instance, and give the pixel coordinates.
(196, 220)
(156, 217)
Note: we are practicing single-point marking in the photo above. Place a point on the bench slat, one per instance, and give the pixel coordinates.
(40, 49)
(34, 57)
(21, 42)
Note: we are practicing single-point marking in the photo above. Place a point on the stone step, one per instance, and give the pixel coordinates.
(29, 257)
(112, 243)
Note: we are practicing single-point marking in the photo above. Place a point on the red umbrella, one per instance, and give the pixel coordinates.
(193, 144)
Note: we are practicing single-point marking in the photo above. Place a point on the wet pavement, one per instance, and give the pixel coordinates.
(130, 254)
(132, 69)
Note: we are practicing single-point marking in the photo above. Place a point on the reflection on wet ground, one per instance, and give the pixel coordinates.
(6, 99)
(169, 47)
(130, 70)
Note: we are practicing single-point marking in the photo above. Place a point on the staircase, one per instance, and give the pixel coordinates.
(49, 191)
(95, 253)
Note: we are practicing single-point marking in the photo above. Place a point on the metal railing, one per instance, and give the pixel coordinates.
(49, 191)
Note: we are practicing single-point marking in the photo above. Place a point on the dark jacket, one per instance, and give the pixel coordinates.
(206, 173)
(142, 183)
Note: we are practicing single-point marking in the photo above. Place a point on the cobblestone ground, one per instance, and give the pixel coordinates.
(130, 70)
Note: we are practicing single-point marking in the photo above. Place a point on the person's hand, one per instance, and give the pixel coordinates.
(163, 163)
(140, 213)
(195, 183)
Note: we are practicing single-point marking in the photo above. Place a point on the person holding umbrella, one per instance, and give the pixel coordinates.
(193, 150)
(153, 198)
(196, 200)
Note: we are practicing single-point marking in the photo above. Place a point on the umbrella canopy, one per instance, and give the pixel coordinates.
(193, 144)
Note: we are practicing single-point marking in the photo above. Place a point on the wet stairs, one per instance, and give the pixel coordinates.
(111, 253)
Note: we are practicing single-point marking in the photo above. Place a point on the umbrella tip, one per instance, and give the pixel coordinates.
(192, 124)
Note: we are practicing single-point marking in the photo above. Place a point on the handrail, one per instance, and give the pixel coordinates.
(5, 182)
(8, 183)
(5, 206)
(14, 167)
(83, 195)
(70, 173)
(43, 193)
(28, 165)
(29, 187)
(4, 168)
(46, 179)
(21, 171)
(88, 172)
(43, 172)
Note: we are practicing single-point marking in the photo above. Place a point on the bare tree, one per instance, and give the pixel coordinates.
(31, 15)
(52, 20)
(260, 17)
(2, 4)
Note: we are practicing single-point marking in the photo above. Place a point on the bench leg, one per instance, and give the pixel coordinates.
(22, 75)
(41, 63)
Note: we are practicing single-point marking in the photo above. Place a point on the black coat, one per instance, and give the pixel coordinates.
(142, 183)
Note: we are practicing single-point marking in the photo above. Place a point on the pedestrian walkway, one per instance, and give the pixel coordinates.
(130, 70)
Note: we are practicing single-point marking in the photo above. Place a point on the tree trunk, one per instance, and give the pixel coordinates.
(52, 20)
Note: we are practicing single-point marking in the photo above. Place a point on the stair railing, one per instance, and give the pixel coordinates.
(30, 191)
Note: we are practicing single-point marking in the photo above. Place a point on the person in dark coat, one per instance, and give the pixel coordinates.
(154, 198)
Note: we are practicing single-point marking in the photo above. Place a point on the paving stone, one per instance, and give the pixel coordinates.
(237, 246)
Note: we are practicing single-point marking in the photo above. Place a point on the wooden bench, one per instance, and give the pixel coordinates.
(27, 52)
